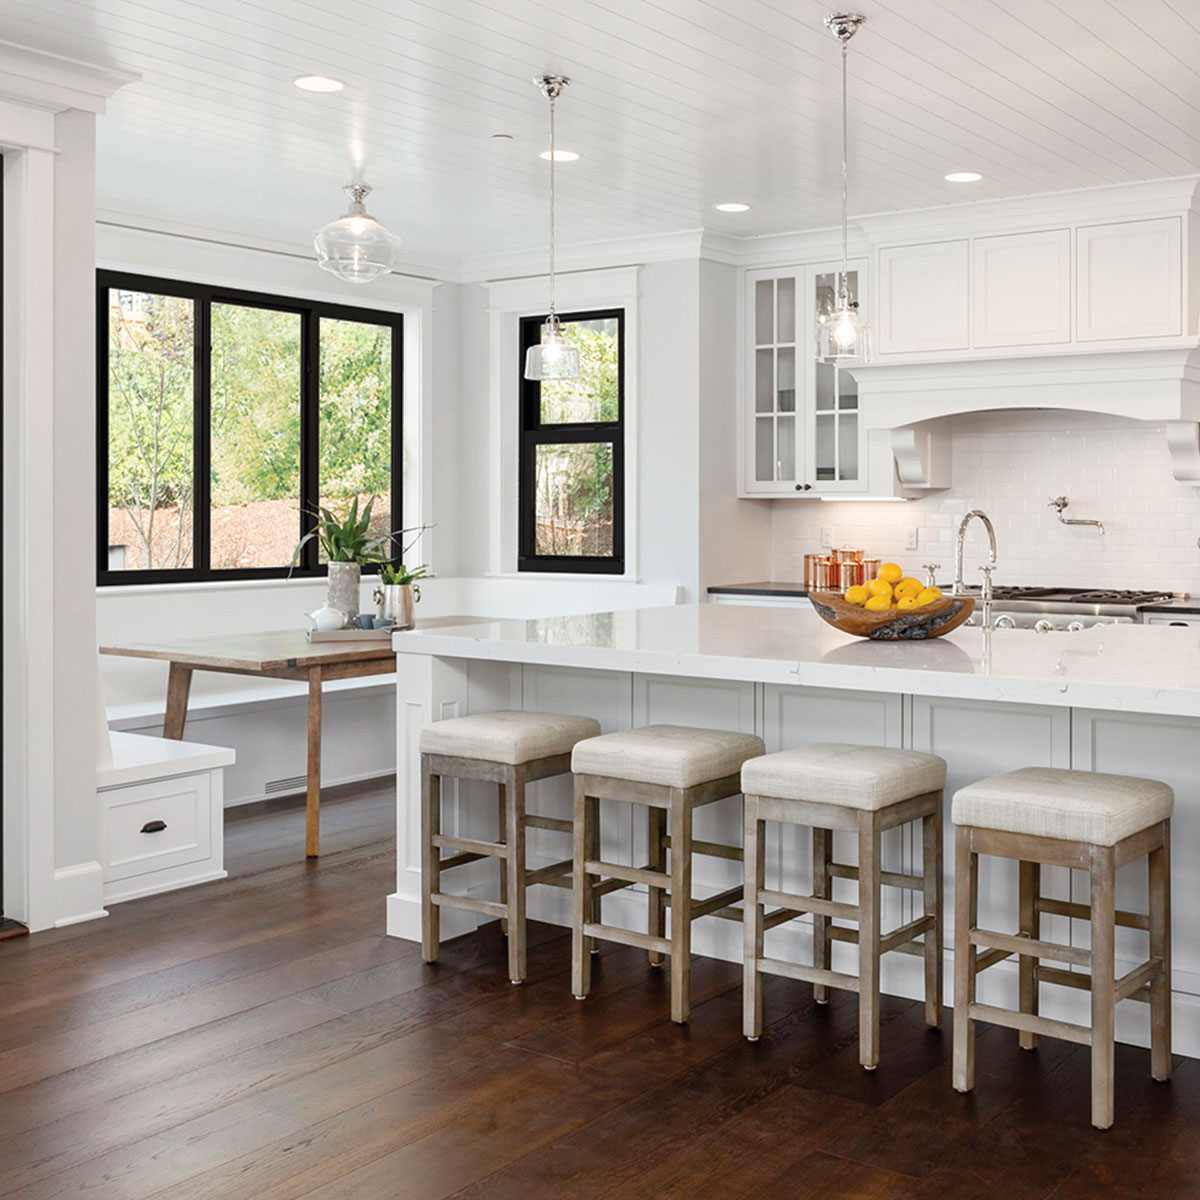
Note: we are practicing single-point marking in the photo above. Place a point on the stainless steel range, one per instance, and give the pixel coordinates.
(1071, 609)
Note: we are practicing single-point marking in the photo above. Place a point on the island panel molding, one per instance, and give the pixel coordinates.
(1121, 698)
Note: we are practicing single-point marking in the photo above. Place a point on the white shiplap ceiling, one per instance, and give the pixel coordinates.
(676, 105)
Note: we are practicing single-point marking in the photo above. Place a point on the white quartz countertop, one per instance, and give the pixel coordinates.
(1136, 668)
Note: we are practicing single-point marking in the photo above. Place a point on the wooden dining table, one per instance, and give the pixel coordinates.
(275, 654)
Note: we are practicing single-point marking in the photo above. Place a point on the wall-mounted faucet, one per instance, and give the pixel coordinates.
(1060, 504)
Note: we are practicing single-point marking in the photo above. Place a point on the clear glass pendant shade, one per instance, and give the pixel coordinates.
(555, 358)
(356, 247)
(843, 338)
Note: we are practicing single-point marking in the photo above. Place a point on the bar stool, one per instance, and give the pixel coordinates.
(863, 789)
(1085, 821)
(671, 770)
(510, 749)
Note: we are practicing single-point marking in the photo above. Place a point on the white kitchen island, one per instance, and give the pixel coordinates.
(1122, 699)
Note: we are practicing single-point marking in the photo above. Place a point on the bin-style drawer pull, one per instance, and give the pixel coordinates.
(154, 826)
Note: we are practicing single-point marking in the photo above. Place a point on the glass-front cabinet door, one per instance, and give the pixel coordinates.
(836, 460)
(802, 432)
(774, 327)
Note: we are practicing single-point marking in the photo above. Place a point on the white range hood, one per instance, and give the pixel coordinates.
(1161, 385)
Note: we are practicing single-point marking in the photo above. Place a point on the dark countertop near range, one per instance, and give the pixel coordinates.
(763, 587)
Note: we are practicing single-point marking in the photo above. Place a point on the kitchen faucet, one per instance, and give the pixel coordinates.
(959, 586)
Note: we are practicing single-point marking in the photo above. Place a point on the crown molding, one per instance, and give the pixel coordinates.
(56, 82)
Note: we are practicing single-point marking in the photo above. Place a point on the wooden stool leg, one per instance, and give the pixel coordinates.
(592, 849)
(931, 829)
(586, 810)
(823, 890)
(754, 862)
(514, 871)
(868, 940)
(657, 859)
(966, 916)
(1103, 984)
(1160, 947)
(431, 825)
(502, 837)
(1030, 926)
(681, 905)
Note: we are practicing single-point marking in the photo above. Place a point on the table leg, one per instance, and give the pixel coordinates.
(312, 827)
(179, 684)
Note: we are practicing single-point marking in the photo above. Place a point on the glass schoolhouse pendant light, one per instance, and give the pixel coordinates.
(843, 338)
(356, 247)
(554, 358)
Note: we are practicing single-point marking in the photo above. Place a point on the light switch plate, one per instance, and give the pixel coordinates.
(826, 537)
(910, 537)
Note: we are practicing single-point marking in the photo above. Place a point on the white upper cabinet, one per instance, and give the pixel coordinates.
(1129, 280)
(923, 298)
(1022, 289)
(802, 434)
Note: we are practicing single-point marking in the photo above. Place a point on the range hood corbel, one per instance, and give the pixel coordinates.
(1183, 445)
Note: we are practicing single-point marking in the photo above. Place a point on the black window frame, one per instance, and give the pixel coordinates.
(533, 434)
(204, 296)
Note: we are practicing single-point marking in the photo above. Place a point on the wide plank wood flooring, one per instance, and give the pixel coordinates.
(262, 1038)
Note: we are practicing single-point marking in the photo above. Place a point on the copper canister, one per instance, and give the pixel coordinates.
(825, 575)
(850, 573)
(870, 569)
(848, 554)
(810, 569)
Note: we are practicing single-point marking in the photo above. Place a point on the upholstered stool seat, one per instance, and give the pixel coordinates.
(507, 736)
(1082, 820)
(511, 749)
(864, 777)
(671, 770)
(670, 755)
(864, 790)
(1078, 806)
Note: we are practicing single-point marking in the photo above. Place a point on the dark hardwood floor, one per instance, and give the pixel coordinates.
(261, 1038)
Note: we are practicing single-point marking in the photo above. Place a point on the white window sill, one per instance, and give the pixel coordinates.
(566, 576)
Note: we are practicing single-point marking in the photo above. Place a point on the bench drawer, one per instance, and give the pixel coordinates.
(157, 825)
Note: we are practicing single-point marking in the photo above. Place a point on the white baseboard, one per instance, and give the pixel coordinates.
(136, 887)
(78, 894)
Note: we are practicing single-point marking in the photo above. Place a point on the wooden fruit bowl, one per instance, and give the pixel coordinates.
(896, 625)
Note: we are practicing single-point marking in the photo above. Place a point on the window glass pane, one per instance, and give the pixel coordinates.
(150, 407)
(573, 485)
(764, 449)
(356, 418)
(764, 381)
(764, 312)
(255, 437)
(786, 317)
(595, 395)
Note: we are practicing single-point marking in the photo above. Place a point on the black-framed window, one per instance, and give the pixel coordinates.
(572, 471)
(225, 417)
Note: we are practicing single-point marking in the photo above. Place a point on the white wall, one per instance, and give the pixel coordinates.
(1010, 464)
(268, 735)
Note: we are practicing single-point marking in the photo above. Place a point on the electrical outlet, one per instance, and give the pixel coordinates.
(910, 537)
(826, 537)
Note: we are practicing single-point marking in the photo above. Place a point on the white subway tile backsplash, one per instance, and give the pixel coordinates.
(1009, 465)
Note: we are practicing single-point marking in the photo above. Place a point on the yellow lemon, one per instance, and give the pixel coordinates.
(907, 602)
(878, 603)
(881, 587)
(929, 595)
(891, 572)
(908, 586)
(857, 594)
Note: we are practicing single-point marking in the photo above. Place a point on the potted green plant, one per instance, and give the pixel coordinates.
(348, 542)
(398, 592)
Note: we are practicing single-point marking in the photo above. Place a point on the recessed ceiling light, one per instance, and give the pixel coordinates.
(318, 83)
(560, 155)
(732, 207)
(963, 177)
